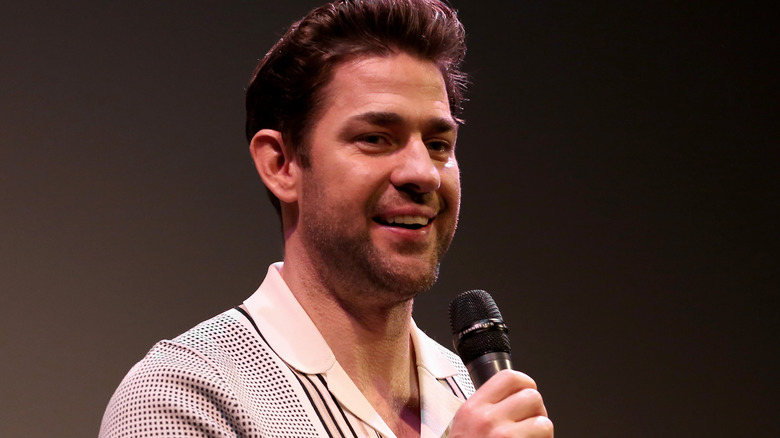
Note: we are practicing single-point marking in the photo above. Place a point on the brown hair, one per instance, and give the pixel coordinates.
(285, 91)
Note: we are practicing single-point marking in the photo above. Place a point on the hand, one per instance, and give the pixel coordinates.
(507, 405)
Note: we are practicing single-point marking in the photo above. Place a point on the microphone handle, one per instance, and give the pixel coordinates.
(484, 367)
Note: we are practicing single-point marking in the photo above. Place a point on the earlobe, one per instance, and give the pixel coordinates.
(275, 163)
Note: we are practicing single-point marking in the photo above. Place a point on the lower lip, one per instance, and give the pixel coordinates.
(407, 233)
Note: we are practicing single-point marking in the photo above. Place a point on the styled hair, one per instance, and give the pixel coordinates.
(286, 90)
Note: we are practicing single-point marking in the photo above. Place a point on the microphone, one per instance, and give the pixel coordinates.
(479, 335)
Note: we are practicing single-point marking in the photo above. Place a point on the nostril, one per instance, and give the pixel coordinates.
(415, 193)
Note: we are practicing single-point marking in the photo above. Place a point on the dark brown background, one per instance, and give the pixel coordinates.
(619, 191)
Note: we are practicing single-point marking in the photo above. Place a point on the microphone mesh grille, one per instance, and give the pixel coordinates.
(465, 310)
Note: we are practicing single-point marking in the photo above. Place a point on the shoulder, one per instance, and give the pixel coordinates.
(219, 378)
(213, 350)
(191, 381)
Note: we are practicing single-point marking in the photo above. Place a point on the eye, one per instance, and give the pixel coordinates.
(374, 142)
(439, 146)
(373, 139)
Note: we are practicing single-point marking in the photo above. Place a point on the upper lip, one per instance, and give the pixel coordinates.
(416, 215)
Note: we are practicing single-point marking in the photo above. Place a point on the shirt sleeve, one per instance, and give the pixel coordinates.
(173, 391)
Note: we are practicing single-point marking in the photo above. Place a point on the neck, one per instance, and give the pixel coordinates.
(371, 340)
(355, 325)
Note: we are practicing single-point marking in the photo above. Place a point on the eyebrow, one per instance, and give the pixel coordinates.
(436, 125)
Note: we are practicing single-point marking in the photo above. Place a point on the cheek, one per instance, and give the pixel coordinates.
(450, 189)
(353, 186)
(450, 178)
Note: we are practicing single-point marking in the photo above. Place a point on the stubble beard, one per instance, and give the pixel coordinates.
(346, 259)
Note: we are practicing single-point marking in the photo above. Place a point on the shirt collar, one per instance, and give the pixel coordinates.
(287, 328)
(428, 356)
(438, 404)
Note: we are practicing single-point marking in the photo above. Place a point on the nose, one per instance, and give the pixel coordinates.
(416, 171)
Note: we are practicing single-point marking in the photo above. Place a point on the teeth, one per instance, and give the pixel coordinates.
(408, 220)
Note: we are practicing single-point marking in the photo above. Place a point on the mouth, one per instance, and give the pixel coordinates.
(405, 221)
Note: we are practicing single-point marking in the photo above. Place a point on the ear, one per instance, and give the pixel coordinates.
(276, 164)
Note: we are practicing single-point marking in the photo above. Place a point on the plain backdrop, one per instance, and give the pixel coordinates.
(619, 202)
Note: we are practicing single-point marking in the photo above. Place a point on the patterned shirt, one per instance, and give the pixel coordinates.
(268, 372)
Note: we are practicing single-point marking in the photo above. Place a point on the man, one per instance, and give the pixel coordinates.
(352, 122)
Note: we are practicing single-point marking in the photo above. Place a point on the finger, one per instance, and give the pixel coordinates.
(534, 427)
(521, 405)
(502, 385)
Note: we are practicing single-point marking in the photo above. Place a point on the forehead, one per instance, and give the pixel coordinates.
(399, 82)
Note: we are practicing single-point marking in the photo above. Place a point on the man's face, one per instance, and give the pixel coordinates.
(379, 203)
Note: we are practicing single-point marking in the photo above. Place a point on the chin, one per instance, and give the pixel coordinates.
(408, 280)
